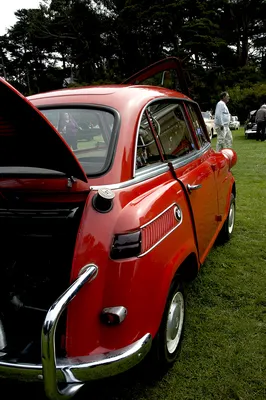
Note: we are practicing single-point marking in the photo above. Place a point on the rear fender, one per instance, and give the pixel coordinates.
(140, 283)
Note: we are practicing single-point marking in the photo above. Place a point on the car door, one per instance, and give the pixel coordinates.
(187, 151)
(201, 184)
(163, 209)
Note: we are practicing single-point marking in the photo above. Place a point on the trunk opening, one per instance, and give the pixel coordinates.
(37, 242)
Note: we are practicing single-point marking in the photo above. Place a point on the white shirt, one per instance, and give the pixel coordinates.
(222, 115)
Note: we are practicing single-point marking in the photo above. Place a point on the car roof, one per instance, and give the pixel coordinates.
(105, 94)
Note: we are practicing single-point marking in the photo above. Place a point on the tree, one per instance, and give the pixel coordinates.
(221, 43)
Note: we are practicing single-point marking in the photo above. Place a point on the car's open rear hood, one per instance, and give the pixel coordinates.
(27, 139)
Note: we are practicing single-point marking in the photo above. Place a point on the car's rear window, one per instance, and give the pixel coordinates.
(89, 132)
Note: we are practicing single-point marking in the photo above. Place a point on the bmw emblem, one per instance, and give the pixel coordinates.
(178, 213)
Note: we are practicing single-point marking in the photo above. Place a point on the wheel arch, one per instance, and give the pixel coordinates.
(188, 269)
(234, 189)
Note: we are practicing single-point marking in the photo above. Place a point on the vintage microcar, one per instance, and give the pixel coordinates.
(110, 197)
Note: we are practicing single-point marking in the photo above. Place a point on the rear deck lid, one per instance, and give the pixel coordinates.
(29, 140)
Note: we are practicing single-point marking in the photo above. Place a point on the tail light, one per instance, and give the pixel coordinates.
(231, 156)
(126, 245)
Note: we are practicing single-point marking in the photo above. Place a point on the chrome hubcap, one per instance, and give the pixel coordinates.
(231, 218)
(175, 321)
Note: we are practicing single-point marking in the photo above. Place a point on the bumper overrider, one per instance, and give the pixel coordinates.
(74, 372)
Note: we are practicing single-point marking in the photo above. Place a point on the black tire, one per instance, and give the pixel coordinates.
(167, 343)
(211, 134)
(228, 226)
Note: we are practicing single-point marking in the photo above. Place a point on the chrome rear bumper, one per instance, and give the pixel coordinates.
(74, 372)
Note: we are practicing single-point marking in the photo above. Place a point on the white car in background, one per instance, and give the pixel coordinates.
(234, 123)
(209, 122)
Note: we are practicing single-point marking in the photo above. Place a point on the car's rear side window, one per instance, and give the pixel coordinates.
(89, 132)
(172, 130)
(147, 150)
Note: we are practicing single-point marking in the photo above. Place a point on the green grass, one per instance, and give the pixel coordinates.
(223, 356)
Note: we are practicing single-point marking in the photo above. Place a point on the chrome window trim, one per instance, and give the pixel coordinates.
(155, 170)
(158, 99)
(180, 101)
(136, 143)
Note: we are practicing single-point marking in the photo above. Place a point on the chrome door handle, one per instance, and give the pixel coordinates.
(192, 187)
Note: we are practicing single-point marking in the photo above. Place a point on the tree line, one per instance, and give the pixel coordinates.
(221, 44)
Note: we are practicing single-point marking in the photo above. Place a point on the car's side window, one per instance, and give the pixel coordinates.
(200, 133)
(147, 149)
(171, 127)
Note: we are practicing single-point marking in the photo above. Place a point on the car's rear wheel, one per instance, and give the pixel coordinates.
(166, 345)
(228, 226)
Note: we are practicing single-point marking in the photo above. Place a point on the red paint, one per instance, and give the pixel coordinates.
(139, 284)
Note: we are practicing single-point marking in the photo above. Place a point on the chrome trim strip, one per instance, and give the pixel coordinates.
(158, 216)
(136, 141)
(175, 101)
(167, 234)
(151, 173)
(158, 99)
(154, 171)
(191, 156)
(74, 372)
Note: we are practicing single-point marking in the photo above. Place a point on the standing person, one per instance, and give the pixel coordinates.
(221, 120)
(261, 123)
(69, 129)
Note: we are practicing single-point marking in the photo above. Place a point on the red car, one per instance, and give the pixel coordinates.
(110, 197)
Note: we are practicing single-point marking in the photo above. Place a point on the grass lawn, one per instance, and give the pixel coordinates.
(223, 356)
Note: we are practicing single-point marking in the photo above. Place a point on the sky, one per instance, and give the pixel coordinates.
(7, 9)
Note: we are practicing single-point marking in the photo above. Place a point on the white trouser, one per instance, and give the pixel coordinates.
(224, 138)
